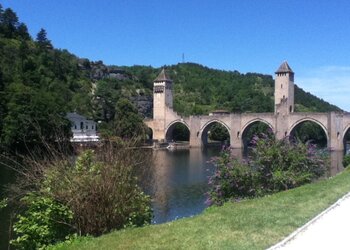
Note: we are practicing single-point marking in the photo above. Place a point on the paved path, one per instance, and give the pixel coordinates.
(329, 230)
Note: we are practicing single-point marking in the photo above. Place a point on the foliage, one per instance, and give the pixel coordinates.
(231, 180)
(310, 103)
(256, 128)
(128, 123)
(42, 40)
(218, 133)
(180, 132)
(346, 160)
(101, 190)
(283, 164)
(274, 165)
(310, 132)
(3, 203)
(44, 222)
(38, 86)
(95, 193)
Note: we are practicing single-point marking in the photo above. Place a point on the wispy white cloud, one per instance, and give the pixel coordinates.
(331, 83)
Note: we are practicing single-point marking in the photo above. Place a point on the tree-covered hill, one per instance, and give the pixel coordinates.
(199, 90)
(40, 84)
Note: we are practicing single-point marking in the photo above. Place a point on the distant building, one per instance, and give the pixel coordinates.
(83, 130)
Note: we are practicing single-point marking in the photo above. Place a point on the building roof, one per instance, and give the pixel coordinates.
(162, 77)
(75, 116)
(284, 68)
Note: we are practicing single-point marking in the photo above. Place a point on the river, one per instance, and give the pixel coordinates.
(178, 183)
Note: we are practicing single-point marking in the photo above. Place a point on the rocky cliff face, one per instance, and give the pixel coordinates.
(97, 71)
(144, 105)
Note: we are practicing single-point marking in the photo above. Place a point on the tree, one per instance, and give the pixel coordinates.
(22, 31)
(128, 123)
(9, 23)
(107, 94)
(33, 117)
(1, 14)
(42, 39)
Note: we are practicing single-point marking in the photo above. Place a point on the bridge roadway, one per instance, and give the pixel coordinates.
(334, 124)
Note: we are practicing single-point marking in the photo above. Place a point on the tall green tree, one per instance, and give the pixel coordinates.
(9, 23)
(128, 123)
(22, 31)
(42, 40)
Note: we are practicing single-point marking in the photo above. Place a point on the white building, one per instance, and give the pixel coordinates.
(83, 130)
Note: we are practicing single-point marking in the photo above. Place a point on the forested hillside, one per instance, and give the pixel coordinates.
(199, 89)
(40, 84)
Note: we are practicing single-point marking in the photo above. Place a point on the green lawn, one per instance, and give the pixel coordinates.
(252, 224)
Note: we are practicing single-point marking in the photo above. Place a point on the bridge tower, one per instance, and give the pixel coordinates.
(162, 102)
(162, 95)
(284, 90)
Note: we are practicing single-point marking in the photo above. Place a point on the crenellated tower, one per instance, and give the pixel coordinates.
(284, 90)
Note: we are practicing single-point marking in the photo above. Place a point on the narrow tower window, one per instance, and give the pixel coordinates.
(281, 86)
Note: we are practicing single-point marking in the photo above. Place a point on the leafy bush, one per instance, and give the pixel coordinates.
(95, 193)
(346, 161)
(232, 180)
(274, 165)
(44, 222)
(101, 190)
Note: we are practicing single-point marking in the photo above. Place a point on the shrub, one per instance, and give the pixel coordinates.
(91, 194)
(282, 164)
(101, 190)
(44, 222)
(346, 161)
(232, 180)
(274, 165)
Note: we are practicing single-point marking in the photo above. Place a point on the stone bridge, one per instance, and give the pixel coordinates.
(282, 122)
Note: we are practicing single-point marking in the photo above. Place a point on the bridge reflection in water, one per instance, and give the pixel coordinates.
(179, 180)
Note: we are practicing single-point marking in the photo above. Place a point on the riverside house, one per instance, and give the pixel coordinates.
(83, 130)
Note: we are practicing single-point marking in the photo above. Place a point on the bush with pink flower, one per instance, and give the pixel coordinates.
(273, 166)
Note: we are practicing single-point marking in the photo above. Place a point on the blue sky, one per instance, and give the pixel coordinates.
(246, 35)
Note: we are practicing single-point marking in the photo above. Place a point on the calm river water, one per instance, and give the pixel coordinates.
(178, 184)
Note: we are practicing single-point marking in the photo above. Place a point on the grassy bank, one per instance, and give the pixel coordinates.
(251, 224)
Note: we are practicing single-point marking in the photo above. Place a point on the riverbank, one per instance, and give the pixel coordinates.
(251, 224)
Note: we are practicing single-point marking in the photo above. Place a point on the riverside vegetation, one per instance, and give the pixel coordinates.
(273, 166)
(63, 198)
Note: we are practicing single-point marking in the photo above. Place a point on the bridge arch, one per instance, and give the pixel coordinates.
(346, 138)
(249, 123)
(308, 119)
(206, 128)
(245, 138)
(149, 133)
(172, 126)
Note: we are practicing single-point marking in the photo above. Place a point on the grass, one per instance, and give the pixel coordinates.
(251, 224)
